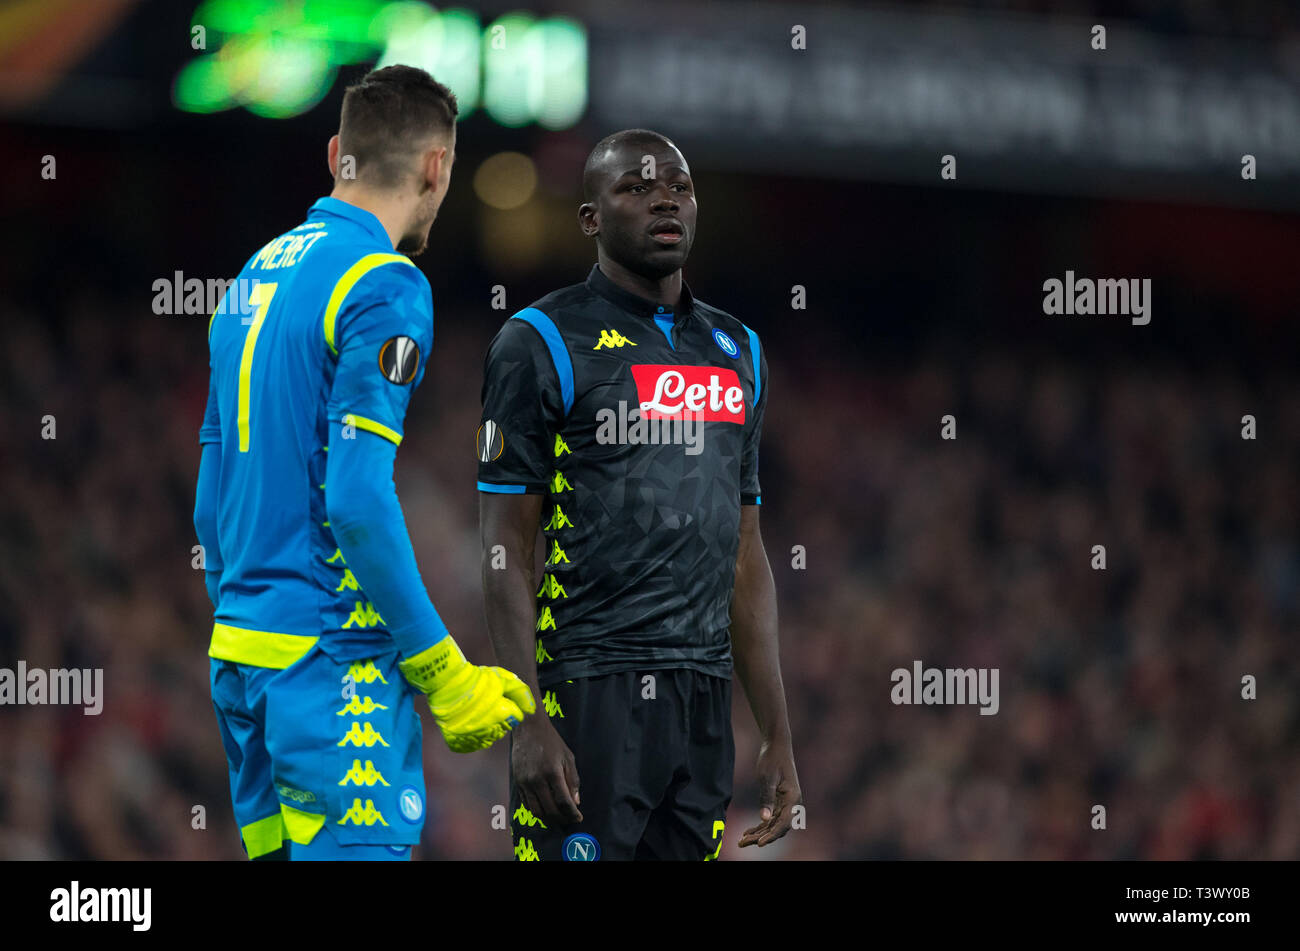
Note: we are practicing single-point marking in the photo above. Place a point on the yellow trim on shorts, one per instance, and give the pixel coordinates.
(300, 827)
(259, 648)
(263, 836)
(370, 426)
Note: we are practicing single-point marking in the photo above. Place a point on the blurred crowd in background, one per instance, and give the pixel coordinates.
(1119, 687)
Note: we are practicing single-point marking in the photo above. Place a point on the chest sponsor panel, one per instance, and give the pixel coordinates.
(672, 391)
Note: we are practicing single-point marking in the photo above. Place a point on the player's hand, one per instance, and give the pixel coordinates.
(545, 773)
(779, 793)
(473, 706)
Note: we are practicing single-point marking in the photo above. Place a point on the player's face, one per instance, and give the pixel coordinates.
(416, 238)
(647, 224)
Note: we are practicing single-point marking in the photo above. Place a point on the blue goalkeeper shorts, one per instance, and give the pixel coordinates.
(324, 754)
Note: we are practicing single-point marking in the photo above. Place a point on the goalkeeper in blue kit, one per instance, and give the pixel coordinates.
(323, 629)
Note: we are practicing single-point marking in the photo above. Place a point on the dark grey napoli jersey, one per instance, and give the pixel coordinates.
(641, 428)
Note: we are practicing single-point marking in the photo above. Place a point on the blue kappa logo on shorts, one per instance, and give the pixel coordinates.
(411, 804)
(726, 343)
(581, 847)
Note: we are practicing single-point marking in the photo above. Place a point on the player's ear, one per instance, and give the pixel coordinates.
(434, 161)
(332, 156)
(588, 219)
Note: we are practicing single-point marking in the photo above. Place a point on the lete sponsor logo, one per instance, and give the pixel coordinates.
(701, 393)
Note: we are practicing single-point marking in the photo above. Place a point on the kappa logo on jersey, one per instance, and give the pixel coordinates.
(612, 339)
(399, 358)
(526, 818)
(363, 777)
(698, 393)
(366, 737)
(365, 672)
(489, 442)
(360, 815)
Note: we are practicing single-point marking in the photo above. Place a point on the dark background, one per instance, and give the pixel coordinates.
(1119, 687)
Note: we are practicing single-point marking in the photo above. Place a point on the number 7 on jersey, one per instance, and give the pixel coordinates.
(260, 297)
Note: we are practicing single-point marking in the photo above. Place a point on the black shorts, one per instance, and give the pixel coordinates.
(654, 774)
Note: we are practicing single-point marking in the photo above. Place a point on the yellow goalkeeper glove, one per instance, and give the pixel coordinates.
(473, 706)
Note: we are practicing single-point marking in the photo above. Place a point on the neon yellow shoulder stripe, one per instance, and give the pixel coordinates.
(345, 284)
(370, 426)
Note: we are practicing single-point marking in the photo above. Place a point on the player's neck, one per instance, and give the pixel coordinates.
(389, 209)
(665, 290)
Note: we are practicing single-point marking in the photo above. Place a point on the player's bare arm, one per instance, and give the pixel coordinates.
(758, 666)
(544, 767)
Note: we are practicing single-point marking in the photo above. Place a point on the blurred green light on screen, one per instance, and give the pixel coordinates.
(561, 98)
(279, 58)
(201, 87)
(292, 77)
(446, 45)
(535, 71)
(275, 77)
(510, 66)
(340, 21)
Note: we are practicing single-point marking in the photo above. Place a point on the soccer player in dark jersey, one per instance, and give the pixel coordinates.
(621, 418)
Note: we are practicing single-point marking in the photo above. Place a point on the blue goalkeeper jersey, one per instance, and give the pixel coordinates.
(324, 324)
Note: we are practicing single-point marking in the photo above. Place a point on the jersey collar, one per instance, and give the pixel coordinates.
(599, 284)
(358, 216)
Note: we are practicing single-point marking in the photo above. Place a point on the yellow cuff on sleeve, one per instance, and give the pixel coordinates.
(370, 426)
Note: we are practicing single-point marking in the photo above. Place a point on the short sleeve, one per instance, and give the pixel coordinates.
(523, 412)
(751, 493)
(210, 431)
(383, 335)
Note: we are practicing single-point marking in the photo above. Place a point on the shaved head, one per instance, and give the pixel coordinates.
(640, 208)
(397, 133)
(389, 118)
(602, 162)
